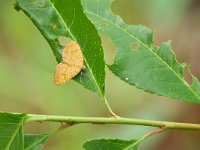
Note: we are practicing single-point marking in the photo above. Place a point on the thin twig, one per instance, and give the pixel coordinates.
(119, 120)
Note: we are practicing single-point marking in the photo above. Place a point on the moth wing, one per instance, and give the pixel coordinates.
(72, 54)
(65, 72)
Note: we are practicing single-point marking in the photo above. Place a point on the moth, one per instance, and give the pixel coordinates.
(71, 64)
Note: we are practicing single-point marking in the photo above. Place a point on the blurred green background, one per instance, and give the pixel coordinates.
(27, 67)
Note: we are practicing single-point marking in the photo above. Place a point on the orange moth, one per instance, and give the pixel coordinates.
(71, 64)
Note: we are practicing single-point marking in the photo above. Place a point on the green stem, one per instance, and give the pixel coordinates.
(109, 108)
(118, 120)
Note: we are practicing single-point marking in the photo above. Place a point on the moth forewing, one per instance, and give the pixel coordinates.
(71, 65)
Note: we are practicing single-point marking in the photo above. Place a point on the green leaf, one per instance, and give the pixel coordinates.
(34, 141)
(111, 144)
(11, 134)
(65, 18)
(136, 61)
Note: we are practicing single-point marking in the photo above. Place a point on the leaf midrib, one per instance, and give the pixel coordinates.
(35, 143)
(133, 144)
(14, 134)
(150, 49)
(76, 40)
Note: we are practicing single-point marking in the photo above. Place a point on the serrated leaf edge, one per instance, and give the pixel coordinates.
(148, 48)
(135, 142)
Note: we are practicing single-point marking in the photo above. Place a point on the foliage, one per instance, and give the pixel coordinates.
(111, 144)
(72, 24)
(35, 142)
(136, 61)
(12, 136)
(11, 131)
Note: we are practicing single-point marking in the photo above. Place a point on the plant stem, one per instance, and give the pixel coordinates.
(118, 120)
(148, 135)
(109, 108)
(152, 133)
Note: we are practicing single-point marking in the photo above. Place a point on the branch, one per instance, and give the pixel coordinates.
(118, 120)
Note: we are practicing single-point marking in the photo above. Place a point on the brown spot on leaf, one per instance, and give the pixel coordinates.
(135, 46)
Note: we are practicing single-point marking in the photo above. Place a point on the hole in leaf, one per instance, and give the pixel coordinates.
(135, 46)
(109, 48)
